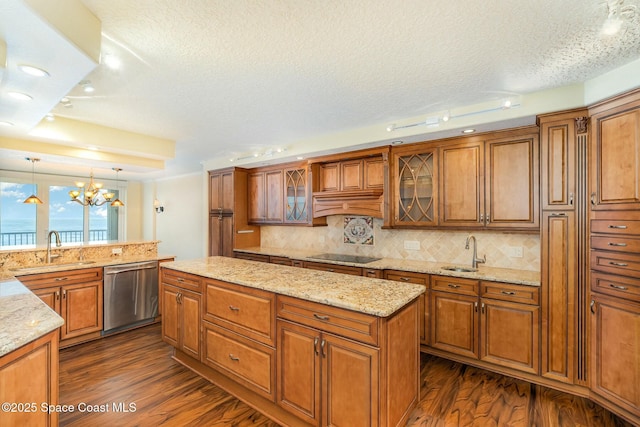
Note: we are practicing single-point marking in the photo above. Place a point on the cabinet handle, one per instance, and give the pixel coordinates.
(618, 264)
(232, 308)
(322, 344)
(234, 358)
(180, 279)
(64, 294)
(593, 306)
(620, 227)
(571, 199)
(330, 270)
(315, 345)
(488, 219)
(319, 317)
(475, 306)
(61, 279)
(593, 199)
(482, 308)
(622, 288)
(57, 295)
(558, 214)
(451, 285)
(507, 292)
(405, 279)
(481, 217)
(617, 244)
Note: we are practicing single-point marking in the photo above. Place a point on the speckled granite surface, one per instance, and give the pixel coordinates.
(23, 316)
(521, 277)
(372, 296)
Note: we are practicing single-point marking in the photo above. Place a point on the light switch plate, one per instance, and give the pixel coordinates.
(412, 245)
(116, 251)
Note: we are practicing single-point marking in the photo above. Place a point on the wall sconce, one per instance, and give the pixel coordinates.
(158, 206)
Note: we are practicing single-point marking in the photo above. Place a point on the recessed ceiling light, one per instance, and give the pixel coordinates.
(50, 117)
(468, 131)
(3, 123)
(111, 61)
(33, 71)
(20, 96)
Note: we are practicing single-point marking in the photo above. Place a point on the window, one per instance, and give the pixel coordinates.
(28, 225)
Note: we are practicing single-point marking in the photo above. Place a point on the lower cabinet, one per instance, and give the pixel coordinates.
(492, 322)
(78, 301)
(325, 379)
(420, 279)
(181, 312)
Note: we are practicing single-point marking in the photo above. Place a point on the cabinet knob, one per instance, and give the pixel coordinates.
(507, 292)
(315, 345)
(234, 358)
(451, 285)
(232, 308)
(571, 199)
(593, 307)
(322, 344)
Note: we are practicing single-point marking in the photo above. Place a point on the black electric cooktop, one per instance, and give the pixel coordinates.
(345, 258)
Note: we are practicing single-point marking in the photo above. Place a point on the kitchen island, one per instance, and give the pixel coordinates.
(304, 347)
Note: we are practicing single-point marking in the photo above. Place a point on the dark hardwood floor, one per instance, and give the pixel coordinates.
(134, 370)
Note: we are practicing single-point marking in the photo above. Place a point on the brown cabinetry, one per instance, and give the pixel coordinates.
(493, 322)
(334, 268)
(419, 279)
(181, 311)
(491, 183)
(76, 295)
(228, 224)
(351, 175)
(266, 199)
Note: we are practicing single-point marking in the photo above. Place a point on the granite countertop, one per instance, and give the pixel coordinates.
(521, 277)
(23, 316)
(366, 295)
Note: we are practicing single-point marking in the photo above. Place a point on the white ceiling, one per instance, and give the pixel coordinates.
(227, 78)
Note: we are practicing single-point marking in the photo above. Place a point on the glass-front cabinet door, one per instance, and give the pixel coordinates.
(296, 206)
(415, 188)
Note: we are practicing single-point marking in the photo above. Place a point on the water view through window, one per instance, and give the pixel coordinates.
(20, 223)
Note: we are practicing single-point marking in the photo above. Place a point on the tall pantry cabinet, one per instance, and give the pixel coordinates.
(228, 223)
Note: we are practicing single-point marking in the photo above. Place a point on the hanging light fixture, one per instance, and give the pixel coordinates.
(117, 202)
(33, 199)
(90, 195)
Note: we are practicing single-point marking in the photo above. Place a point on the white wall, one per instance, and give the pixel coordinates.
(179, 228)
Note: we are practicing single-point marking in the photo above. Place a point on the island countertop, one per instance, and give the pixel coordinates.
(377, 297)
(23, 316)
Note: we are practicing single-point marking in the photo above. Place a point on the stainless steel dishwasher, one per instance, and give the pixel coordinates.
(130, 295)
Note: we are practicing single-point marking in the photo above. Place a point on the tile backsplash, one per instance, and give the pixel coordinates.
(500, 248)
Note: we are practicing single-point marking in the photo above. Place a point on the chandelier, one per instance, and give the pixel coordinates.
(93, 194)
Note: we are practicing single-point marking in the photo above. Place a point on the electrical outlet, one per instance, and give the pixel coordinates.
(412, 245)
(516, 252)
(116, 251)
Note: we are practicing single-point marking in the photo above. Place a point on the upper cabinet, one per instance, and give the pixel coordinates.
(221, 191)
(266, 196)
(615, 154)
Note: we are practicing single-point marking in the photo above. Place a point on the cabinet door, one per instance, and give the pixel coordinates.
(615, 351)
(415, 189)
(558, 157)
(512, 183)
(373, 173)
(221, 235)
(454, 323)
(559, 283)
(423, 299)
(257, 196)
(296, 196)
(350, 384)
(615, 157)
(351, 175)
(330, 177)
(221, 191)
(298, 371)
(50, 296)
(189, 324)
(462, 185)
(510, 334)
(81, 309)
(274, 197)
(170, 315)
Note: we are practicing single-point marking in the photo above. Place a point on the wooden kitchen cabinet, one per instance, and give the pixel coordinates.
(352, 175)
(492, 183)
(423, 300)
(181, 311)
(297, 195)
(221, 191)
(333, 268)
(455, 323)
(615, 154)
(221, 234)
(78, 301)
(266, 198)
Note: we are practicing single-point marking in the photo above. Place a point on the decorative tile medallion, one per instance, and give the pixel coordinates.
(358, 230)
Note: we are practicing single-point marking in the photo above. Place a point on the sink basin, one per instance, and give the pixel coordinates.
(460, 269)
(40, 267)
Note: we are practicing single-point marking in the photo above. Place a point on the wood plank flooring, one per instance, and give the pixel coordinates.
(136, 368)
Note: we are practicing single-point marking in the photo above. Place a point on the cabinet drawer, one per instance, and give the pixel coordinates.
(455, 285)
(407, 277)
(615, 243)
(181, 280)
(616, 263)
(251, 257)
(246, 311)
(251, 364)
(618, 286)
(615, 227)
(510, 292)
(280, 260)
(59, 278)
(358, 326)
(333, 268)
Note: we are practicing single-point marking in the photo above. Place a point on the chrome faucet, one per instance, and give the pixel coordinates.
(58, 244)
(475, 260)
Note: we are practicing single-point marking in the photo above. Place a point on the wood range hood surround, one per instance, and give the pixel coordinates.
(352, 186)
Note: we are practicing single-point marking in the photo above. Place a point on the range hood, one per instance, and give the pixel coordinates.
(357, 202)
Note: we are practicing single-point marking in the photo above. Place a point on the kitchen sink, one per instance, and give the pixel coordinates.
(460, 269)
(40, 267)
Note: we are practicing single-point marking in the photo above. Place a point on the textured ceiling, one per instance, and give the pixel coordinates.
(224, 78)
